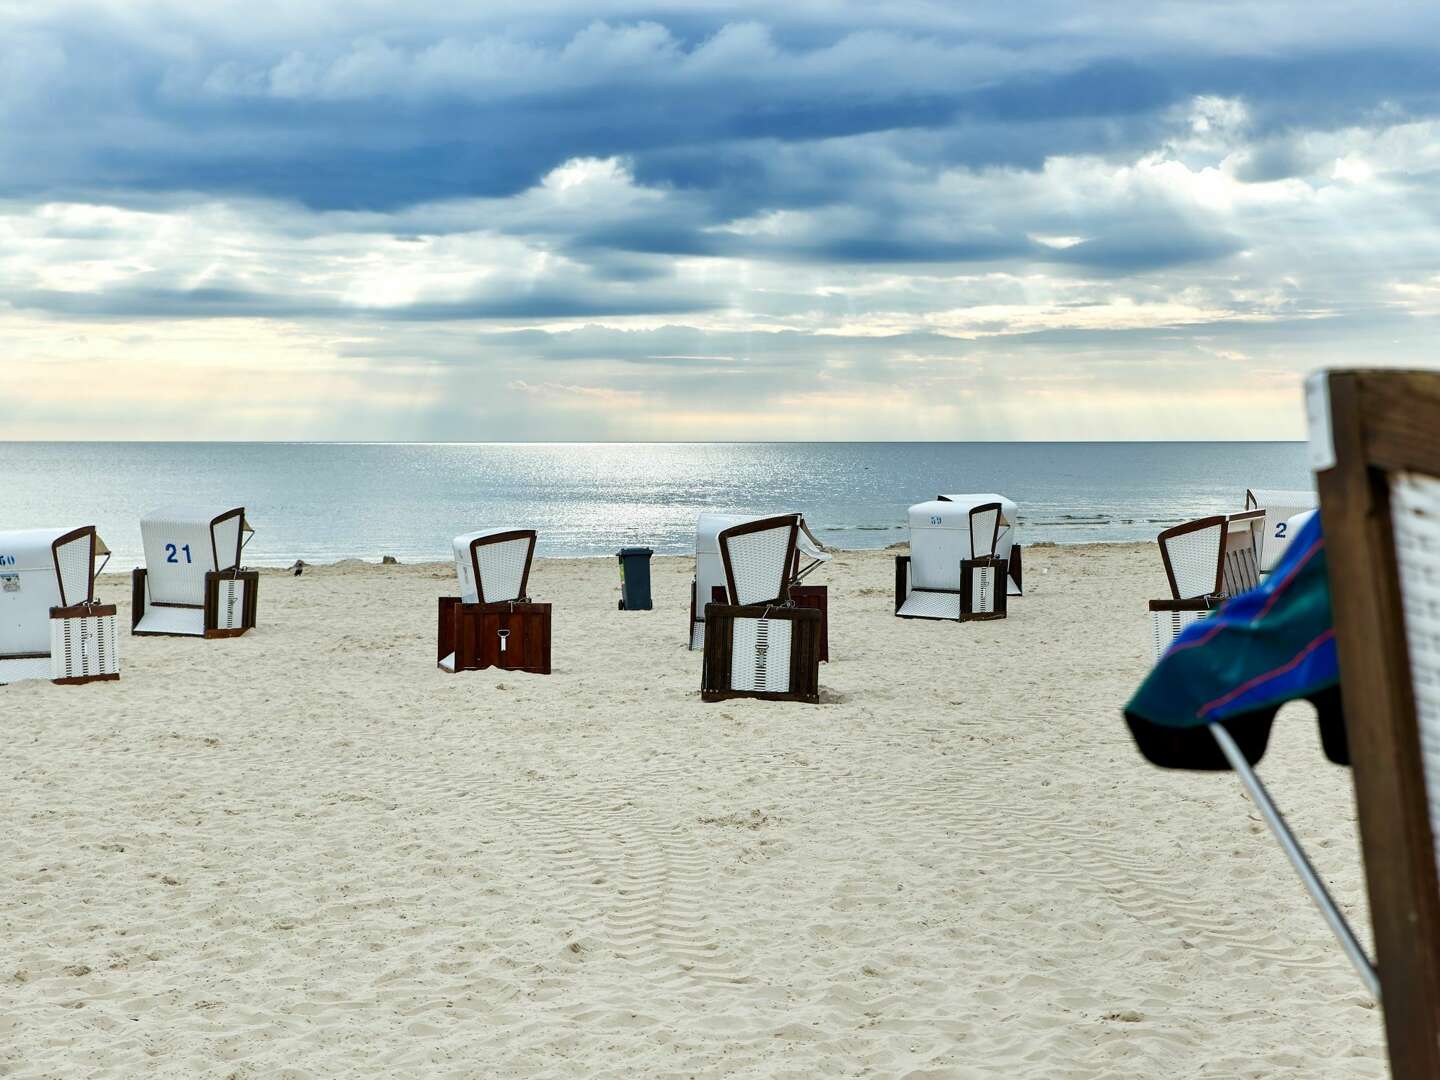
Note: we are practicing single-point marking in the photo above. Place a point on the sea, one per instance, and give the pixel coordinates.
(322, 502)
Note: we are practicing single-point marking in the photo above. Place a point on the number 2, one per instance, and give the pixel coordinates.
(171, 553)
(1280, 530)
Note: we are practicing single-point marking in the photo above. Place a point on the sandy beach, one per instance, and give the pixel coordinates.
(307, 852)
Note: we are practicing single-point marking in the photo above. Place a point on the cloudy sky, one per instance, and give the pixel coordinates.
(602, 220)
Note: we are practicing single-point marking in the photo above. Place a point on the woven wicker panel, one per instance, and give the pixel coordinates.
(921, 604)
(83, 646)
(758, 561)
(1415, 510)
(760, 656)
(501, 568)
(1168, 625)
(230, 604)
(227, 542)
(982, 533)
(982, 589)
(1193, 557)
(76, 560)
(697, 634)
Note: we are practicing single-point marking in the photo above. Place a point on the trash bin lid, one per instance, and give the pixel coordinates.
(634, 551)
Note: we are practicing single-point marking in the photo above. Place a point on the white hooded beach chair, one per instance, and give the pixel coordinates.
(1279, 506)
(1205, 560)
(710, 572)
(51, 626)
(493, 623)
(757, 643)
(192, 584)
(955, 569)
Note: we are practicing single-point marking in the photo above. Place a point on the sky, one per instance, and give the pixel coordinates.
(556, 220)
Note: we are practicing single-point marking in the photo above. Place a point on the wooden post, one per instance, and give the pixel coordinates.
(1381, 422)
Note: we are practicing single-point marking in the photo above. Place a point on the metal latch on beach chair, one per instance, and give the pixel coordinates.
(504, 634)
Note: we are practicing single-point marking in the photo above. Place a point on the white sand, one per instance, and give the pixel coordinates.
(308, 852)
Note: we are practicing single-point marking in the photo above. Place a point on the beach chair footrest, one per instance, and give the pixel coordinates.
(513, 636)
(761, 651)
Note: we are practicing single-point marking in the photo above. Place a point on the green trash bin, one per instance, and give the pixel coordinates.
(635, 579)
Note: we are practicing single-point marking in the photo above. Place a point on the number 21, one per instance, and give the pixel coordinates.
(170, 553)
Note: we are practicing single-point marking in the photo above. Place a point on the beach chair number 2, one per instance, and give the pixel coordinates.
(172, 553)
(1280, 530)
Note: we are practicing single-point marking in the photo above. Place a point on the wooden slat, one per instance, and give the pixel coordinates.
(1398, 412)
(1381, 423)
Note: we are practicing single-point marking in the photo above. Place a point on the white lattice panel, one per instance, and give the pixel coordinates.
(982, 590)
(83, 646)
(697, 634)
(1415, 512)
(502, 568)
(1193, 559)
(760, 656)
(1166, 626)
(230, 604)
(758, 561)
(76, 562)
(922, 604)
(983, 526)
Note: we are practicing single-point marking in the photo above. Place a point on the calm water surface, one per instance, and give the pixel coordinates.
(327, 501)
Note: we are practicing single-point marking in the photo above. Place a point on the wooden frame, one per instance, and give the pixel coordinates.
(1198, 525)
(809, 596)
(56, 545)
(471, 633)
(213, 578)
(762, 525)
(999, 570)
(84, 611)
(239, 512)
(1015, 570)
(985, 508)
(718, 659)
(502, 538)
(1365, 426)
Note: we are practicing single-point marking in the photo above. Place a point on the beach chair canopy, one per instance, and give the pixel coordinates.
(493, 565)
(1279, 506)
(184, 543)
(40, 569)
(807, 554)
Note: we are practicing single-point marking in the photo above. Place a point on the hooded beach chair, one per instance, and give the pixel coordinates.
(192, 583)
(1206, 560)
(1279, 506)
(710, 582)
(1349, 618)
(956, 569)
(758, 643)
(493, 622)
(51, 625)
